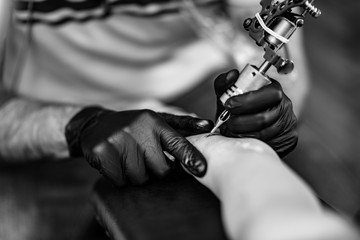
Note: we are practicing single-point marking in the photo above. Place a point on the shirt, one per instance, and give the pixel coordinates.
(112, 52)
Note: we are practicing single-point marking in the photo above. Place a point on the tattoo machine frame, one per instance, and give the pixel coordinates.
(271, 29)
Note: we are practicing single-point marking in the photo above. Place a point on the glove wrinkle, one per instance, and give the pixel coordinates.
(188, 155)
(266, 114)
(126, 146)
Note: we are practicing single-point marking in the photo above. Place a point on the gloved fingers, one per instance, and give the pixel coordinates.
(130, 158)
(284, 143)
(255, 101)
(221, 84)
(105, 158)
(265, 134)
(224, 81)
(253, 122)
(183, 151)
(187, 125)
(283, 139)
(155, 159)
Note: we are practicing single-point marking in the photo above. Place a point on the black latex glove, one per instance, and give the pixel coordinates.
(265, 114)
(124, 146)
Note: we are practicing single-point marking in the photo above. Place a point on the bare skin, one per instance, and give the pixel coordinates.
(261, 197)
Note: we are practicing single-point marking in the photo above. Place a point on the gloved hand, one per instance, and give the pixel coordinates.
(265, 114)
(124, 146)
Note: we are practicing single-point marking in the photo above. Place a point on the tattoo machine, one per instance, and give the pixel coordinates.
(271, 29)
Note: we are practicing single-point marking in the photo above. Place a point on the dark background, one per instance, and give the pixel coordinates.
(328, 154)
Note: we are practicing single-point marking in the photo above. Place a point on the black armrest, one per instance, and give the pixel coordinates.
(177, 207)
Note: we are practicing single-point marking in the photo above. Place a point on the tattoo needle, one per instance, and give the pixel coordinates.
(224, 116)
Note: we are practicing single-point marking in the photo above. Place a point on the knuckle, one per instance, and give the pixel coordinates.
(264, 118)
(118, 137)
(148, 116)
(93, 159)
(141, 181)
(280, 94)
(162, 172)
(235, 102)
(147, 113)
(99, 148)
(122, 136)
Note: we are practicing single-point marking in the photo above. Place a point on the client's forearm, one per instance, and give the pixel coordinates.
(30, 130)
(261, 198)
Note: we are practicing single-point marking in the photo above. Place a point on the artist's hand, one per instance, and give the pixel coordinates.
(124, 146)
(265, 114)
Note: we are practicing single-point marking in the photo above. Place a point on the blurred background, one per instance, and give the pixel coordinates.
(328, 153)
(327, 156)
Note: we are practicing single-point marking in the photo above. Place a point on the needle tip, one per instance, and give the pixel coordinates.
(213, 130)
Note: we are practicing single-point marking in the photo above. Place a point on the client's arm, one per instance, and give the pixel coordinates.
(262, 198)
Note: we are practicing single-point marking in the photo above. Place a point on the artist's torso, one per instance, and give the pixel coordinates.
(111, 52)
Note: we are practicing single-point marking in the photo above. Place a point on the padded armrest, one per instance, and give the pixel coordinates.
(176, 208)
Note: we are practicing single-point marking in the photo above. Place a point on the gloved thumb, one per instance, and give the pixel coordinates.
(187, 125)
(224, 81)
(179, 147)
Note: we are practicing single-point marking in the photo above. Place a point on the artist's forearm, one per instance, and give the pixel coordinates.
(30, 131)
